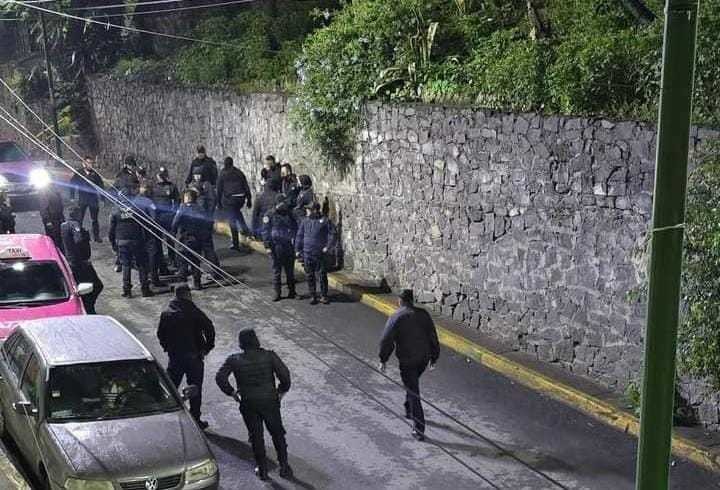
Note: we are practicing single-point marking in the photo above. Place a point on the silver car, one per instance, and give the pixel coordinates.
(90, 409)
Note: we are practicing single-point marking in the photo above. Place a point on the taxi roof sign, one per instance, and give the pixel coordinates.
(16, 252)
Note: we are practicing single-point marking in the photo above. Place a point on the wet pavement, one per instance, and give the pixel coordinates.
(345, 420)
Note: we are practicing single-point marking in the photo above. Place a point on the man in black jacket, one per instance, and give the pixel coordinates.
(411, 332)
(187, 335)
(233, 193)
(203, 165)
(255, 370)
(126, 180)
(270, 170)
(127, 239)
(264, 203)
(76, 242)
(51, 213)
(84, 183)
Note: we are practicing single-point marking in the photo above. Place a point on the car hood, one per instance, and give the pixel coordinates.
(133, 447)
(10, 316)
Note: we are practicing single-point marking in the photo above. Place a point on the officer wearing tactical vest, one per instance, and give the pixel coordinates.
(190, 226)
(167, 199)
(153, 248)
(255, 371)
(279, 230)
(127, 239)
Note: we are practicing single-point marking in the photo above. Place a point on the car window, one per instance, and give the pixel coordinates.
(31, 283)
(108, 390)
(31, 381)
(18, 356)
(10, 152)
(8, 345)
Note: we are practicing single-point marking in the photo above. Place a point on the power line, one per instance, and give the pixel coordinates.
(170, 10)
(143, 217)
(125, 5)
(124, 28)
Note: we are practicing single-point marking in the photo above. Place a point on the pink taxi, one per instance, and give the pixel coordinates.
(35, 282)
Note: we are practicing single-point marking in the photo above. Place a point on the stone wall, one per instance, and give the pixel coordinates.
(528, 228)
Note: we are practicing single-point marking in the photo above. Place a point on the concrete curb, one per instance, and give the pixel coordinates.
(593, 406)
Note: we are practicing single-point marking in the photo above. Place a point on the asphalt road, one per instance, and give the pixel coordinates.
(344, 420)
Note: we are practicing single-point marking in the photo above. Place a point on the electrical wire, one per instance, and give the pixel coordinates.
(321, 335)
(108, 25)
(129, 4)
(171, 10)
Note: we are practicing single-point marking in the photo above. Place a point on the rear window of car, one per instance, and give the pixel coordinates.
(31, 283)
(10, 152)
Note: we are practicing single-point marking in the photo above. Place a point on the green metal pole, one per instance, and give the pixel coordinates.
(666, 244)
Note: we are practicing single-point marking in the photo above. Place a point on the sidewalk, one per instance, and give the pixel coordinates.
(688, 443)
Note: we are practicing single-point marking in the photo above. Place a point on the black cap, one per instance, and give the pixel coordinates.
(406, 295)
(248, 339)
(182, 291)
(200, 149)
(130, 161)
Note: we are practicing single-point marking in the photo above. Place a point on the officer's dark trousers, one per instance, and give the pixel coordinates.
(165, 220)
(192, 367)
(257, 413)
(207, 246)
(410, 375)
(235, 217)
(153, 250)
(85, 272)
(283, 259)
(94, 209)
(189, 263)
(52, 229)
(132, 252)
(316, 271)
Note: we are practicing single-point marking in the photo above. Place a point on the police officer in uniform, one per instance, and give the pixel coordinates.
(153, 248)
(86, 183)
(278, 233)
(167, 199)
(128, 238)
(203, 165)
(187, 335)
(264, 204)
(51, 213)
(7, 217)
(255, 371)
(206, 200)
(315, 237)
(190, 226)
(126, 180)
(76, 242)
(233, 194)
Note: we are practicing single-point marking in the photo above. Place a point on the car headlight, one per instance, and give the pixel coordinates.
(203, 471)
(77, 484)
(40, 178)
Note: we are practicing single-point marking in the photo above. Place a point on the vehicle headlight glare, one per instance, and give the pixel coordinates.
(40, 178)
(203, 471)
(77, 484)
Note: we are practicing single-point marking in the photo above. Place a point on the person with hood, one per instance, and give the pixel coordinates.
(264, 204)
(126, 180)
(410, 332)
(270, 171)
(203, 165)
(305, 197)
(279, 230)
(187, 335)
(88, 184)
(256, 371)
(314, 238)
(127, 238)
(233, 194)
(76, 243)
(52, 213)
(7, 217)
(167, 199)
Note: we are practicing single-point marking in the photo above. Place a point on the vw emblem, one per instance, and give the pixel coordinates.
(151, 484)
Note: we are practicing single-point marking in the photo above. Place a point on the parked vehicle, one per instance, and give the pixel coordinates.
(22, 177)
(35, 282)
(90, 409)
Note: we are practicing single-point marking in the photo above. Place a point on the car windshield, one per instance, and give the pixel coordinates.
(108, 390)
(10, 152)
(31, 283)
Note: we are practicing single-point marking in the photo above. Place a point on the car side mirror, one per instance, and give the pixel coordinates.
(85, 288)
(190, 391)
(25, 408)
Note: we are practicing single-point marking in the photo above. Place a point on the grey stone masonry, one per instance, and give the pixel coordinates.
(527, 227)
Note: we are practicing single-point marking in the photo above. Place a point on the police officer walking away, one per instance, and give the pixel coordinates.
(255, 370)
(278, 233)
(84, 183)
(51, 213)
(233, 193)
(127, 239)
(76, 242)
(203, 165)
(411, 333)
(314, 238)
(166, 197)
(187, 335)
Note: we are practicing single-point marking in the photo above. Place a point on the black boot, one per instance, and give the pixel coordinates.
(127, 293)
(147, 292)
(277, 296)
(314, 300)
(285, 471)
(262, 472)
